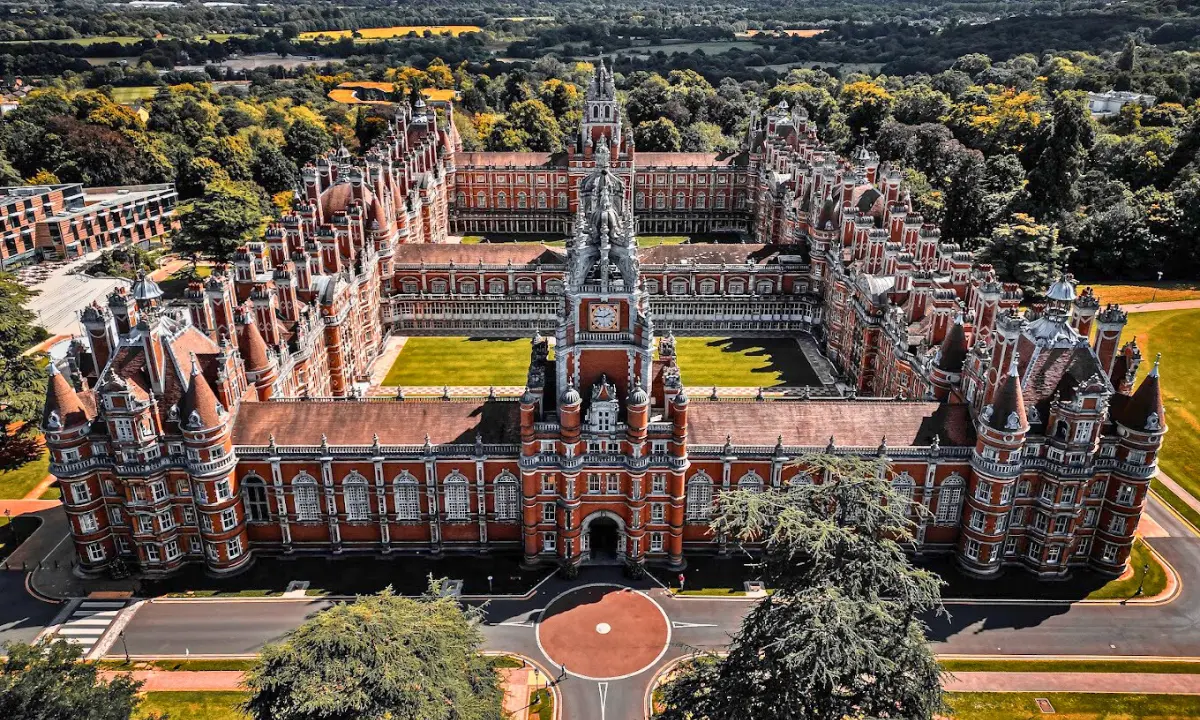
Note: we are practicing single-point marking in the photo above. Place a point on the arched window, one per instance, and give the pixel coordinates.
(254, 495)
(356, 497)
(466, 287)
(458, 497)
(736, 287)
(720, 202)
(651, 286)
(562, 201)
(949, 505)
(481, 200)
(542, 200)
(496, 287)
(799, 481)
(554, 287)
(751, 481)
(408, 500)
(699, 497)
(903, 485)
(679, 286)
(507, 506)
(680, 201)
(522, 200)
(304, 492)
(639, 201)
(701, 201)
(660, 201)
(765, 287)
(708, 287)
(501, 200)
(461, 199)
(438, 287)
(525, 286)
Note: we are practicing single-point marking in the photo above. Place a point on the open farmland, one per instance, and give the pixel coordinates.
(395, 31)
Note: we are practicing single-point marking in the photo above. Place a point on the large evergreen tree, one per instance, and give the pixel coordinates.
(22, 382)
(1064, 149)
(841, 636)
(380, 657)
(47, 681)
(225, 217)
(1026, 252)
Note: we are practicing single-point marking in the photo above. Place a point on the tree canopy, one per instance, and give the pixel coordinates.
(48, 681)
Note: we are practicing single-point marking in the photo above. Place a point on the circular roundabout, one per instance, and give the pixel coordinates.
(603, 632)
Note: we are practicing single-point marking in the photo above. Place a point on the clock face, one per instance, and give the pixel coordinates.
(603, 317)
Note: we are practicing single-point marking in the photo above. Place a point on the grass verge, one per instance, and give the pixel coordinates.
(1072, 706)
(1145, 292)
(201, 665)
(1155, 581)
(1177, 504)
(16, 483)
(193, 705)
(1165, 667)
(541, 704)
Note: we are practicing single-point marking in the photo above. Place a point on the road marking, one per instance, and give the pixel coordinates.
(676, 624)
(519, 623)
(603, 687)
(89, 621)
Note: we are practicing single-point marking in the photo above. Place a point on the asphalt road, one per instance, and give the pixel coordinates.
(22, 616)
(220, 627)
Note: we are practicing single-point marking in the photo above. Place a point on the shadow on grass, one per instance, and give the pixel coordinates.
(19, 448)
(784, 359)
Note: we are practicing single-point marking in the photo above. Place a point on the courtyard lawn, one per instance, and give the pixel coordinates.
(741, 362)
(1175, 334)
(174, 286)
(193, 705)
(1072, 706)
(16, 484)
(438, 361)
(1132, 293)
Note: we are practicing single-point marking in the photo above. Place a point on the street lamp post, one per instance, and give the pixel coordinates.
(489, 584)
(124, 646)
(1155, 293)
(1142, 583)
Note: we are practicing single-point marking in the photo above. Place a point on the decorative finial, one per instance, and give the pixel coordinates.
(1154, 370)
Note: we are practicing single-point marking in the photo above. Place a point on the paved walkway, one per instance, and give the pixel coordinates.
(1160, 306)
(391, 350)
(1180, 492)
(1142, 683)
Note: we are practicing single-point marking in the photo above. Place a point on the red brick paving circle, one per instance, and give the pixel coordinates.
(603, 632)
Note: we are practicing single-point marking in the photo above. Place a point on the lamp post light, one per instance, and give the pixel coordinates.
(124, 646)
(489, 584)
(1155, 293)
(1142, 584)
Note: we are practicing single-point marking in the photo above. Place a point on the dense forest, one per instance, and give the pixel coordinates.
(997, 147)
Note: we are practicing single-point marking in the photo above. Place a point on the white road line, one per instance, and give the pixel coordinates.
(676, 624)
(603, 687)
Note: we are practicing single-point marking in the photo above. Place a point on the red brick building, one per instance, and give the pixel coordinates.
(231, 426)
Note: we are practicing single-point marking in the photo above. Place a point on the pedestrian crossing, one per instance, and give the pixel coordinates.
(89, 621)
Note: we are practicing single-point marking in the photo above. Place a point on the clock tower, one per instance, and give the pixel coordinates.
(605, 334)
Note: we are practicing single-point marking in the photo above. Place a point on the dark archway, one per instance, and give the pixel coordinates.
(603, 533)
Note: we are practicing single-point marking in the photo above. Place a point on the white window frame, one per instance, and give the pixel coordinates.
(457, 498)
(407, 496)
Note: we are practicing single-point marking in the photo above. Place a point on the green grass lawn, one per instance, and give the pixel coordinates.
(1072, 666)
(728, 362)
(1175, 334)
(1177, 504)
(1072, 706)
(1132, 293)
(126, 95)
(460, 361)
(196, 705)
(203, 665)
(1156, 578)
(16, 484)
(174, 286)
(541, 705)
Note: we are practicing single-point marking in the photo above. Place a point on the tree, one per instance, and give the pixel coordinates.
(866, 105)
(659, 135)
(1064, 150)
(273, 170)
(536, 125)
(47, 680)
(841, 636)
(1027, 252)
(228, 215)
(382, 656)
(22, 382)
(304, 141)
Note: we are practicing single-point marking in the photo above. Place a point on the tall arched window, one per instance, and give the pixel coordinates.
(660, 201)
(679, 286)
(949, 506)
(701, 201)
(481, 200)
(507, 506)
(254, 495)
(458, 497)
(541, 200)
(522, 200)
(356, 497)
(562, 201)
(699, 497)
(903, 485)
(680, 201)
(408, 500)
(304, 492)
(501, 200)
(751, 481)
(639, 201)
(461, 199)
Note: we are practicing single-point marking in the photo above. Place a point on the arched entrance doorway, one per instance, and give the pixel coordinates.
(603, 538)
